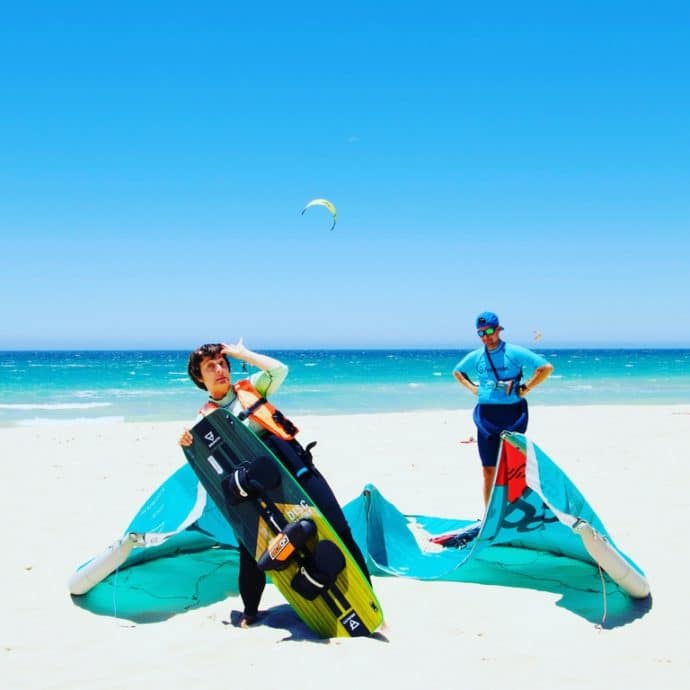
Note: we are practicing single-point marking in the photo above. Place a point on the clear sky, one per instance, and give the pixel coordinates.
(528, 158)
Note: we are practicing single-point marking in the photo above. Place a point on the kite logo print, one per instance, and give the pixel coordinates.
(298, 510)
(523, 516)
(352, 623)
(211, 439)
(278, 545)
(282, 542)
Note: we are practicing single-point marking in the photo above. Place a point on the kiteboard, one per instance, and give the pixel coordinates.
(277, 522)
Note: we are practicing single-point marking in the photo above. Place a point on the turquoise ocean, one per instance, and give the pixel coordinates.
(45, 388)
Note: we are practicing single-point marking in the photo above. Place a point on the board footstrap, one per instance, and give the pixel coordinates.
(285, 545)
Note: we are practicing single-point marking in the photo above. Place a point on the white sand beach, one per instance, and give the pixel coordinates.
(67, 492)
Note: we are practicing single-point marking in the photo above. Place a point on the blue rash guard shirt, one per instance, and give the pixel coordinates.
(509, 362)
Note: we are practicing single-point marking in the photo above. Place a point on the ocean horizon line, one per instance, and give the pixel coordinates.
(402, 348)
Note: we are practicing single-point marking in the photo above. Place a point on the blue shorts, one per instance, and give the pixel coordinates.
(491, 420)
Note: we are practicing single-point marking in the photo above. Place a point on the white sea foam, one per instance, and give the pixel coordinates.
(53, 406)
(48, 421)
(136, 392)
(61, 365)
(85, 394)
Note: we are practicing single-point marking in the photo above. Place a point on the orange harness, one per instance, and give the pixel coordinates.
(256, 407)
(262, 412)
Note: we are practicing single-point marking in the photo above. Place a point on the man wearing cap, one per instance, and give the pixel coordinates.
(498, 368)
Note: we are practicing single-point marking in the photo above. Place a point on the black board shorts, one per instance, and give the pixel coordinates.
(491, 420)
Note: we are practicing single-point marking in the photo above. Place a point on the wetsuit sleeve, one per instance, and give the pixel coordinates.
(268, 381)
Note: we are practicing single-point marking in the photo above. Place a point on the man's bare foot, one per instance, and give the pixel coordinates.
(246, 621)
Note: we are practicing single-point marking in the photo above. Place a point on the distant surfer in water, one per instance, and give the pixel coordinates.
(209, 368)
(497, 367)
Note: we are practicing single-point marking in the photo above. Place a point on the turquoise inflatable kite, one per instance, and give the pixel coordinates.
(538, 532)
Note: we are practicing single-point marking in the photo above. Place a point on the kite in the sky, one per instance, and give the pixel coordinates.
(322, 202)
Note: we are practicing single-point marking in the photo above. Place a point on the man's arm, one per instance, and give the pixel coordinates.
(463, 380)
(539, 376)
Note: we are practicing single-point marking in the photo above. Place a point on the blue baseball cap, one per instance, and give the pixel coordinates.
(487, 319)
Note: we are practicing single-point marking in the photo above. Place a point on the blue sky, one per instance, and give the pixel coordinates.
(528, 158)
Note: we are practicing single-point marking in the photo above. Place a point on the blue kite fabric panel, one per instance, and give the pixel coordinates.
(533, 506)
(525, 539)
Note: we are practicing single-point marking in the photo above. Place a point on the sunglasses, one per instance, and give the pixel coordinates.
(486, 331)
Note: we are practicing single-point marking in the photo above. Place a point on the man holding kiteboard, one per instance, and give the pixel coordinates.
(494, 374)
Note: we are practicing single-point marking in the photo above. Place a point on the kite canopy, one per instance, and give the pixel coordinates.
(533, 506)
(326, 204)
(538, 532)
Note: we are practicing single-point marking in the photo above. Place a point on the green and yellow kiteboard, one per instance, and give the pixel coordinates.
(277, 521)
